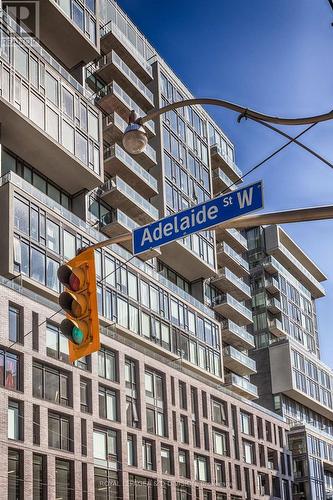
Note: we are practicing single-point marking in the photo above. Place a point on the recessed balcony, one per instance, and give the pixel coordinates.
(276, 328)
(228, 257)
(221, 182)
(236, 335)
(230, 308)
(227, 281)
(272, 285)
(241, 386)
(112, 98)
(116, 223)
(111, 67)
(232, 237)
(273, 305)
(119, 194)
(221, 159)
(118, 162)
(271, 265)
(238, 362)
(113, 39)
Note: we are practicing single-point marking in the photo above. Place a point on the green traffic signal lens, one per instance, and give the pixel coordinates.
(77, 335)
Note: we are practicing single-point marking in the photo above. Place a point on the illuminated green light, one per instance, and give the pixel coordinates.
(77, 335)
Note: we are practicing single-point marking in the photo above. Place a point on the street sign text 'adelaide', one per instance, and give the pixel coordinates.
(198, 218)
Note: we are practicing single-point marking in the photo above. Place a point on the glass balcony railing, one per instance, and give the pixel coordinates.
(119, 184)
(273, 303)
(219, 174)
(238, 330)
(238, 236)
(300, 266)
(96, 236)
(234, 279)
(239, 356)
(272, 282)
(111, 27)
(116, 151)
(226, 298)
(224, 247)
(114, 88)
(116, 215)
(242, 383)
(227, 159)
(272, 261)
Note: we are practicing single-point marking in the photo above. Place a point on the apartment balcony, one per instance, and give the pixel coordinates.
(238, 362)
(112, 98)
(220, 159)
(271, 265)
(56, 28)
(272, 285)
(227, 281)
(221, 182)
(232, 237)
(236, 335)
(286, 379)
(118, 162)
(113, 129)
(241, 386)
(273, 305)
(292, 258)
(228, 257)
(119, 194)
(113, 39)
(111, 67)
(230, 308)
(116, 223)
(48, 139)
(276, 328)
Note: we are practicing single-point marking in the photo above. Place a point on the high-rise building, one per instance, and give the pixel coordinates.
(290, 377)
(165, 409)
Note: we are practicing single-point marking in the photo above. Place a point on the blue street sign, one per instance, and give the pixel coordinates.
(198, 218)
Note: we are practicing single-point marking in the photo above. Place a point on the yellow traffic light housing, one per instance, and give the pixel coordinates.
(79, 301)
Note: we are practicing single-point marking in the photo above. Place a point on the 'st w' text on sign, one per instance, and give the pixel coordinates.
(198, 218)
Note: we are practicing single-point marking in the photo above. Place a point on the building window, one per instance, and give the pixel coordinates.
(132, 414)
(15, 420)
(148, 455)
(107, 364)
(220, 443)
(248, 452)
(85, 395)
(201, 468)
(166, 460)
(219, 414)
(182, 395)
(64, 479)
(39, 477)
(183, 463)
(105, 448)
(36, 425)
(60, 432)
(142, 488)
(107, 403)
(131, 450)
(56, 343)
(9, 369)
(183, 492)
(15, 474)
(50, 384)
(183, 429)
(106, 484)
(155, 414)
(220, 477)
(246, 423)
(15, 314)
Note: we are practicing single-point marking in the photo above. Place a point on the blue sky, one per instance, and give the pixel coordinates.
(275, 57)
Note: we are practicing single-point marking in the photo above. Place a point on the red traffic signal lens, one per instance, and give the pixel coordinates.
(74, 282)
(72, 278)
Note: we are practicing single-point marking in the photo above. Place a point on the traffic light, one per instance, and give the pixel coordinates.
(79, 301)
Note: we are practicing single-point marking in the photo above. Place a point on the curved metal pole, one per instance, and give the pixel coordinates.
(250, 113)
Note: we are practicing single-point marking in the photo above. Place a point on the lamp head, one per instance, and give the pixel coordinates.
(135, 139)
